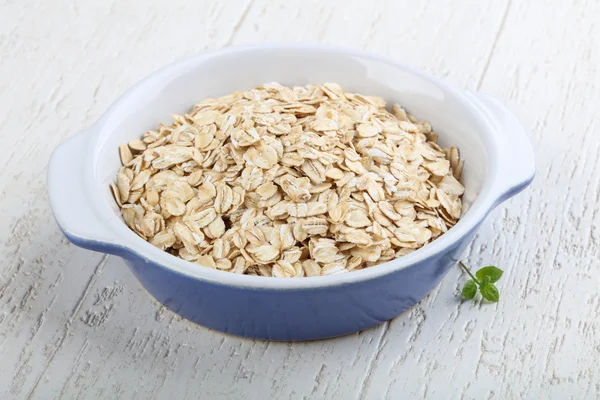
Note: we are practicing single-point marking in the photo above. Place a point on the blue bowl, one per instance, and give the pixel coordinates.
(499, 164)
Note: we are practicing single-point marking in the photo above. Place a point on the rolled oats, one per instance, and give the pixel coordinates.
(290, 182)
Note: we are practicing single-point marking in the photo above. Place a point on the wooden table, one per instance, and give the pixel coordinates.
(76, 324)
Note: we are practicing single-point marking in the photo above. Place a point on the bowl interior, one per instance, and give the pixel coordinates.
(176, 88)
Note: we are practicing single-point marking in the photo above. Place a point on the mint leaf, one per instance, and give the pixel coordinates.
(490, 271)
(486, 280)
(490, 292)
(470, 290)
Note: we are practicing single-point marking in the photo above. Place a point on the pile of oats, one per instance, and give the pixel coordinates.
(290, 182)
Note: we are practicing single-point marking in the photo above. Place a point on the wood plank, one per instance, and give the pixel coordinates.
(542, 339)
(68, 61)
(75, 324)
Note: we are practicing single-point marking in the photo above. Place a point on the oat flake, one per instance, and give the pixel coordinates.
(290, 182)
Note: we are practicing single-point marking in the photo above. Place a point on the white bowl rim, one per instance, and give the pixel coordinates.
(485, 202)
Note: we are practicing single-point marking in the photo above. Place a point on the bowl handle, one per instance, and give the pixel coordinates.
(74, 210)
(516, 159)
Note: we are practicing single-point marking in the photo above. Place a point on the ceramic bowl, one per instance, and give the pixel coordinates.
(499, 163)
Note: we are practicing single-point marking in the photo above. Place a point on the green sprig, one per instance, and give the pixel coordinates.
(484, 279)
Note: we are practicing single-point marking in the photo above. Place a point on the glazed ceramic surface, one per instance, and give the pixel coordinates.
(499, 163)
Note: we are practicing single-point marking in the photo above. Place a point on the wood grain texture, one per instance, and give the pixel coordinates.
(76, 324)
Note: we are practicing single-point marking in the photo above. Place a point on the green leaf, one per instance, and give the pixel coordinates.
(469, 290)
(486, 280)
(490, 292)
(492, 272)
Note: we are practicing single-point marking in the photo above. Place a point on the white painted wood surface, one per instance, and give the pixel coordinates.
(76, 324)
